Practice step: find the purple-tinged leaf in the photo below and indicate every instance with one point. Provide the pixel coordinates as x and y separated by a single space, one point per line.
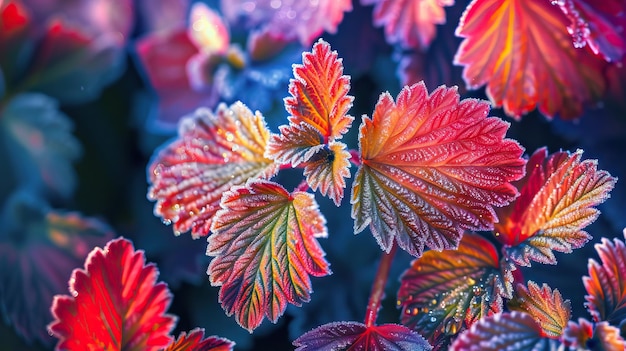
289 19
521 331
40 143
116 304
265 248
212 153
432 166
546 306
338 336
595 336
606 283
444 292
39 248
195 341
557 201
164 15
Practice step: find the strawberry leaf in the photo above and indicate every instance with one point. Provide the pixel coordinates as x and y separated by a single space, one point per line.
318 105
600 336
116 303
358 336
506 45
445 292
432 166
410 23
606 283
600 24
265 248
40 143
521 330
195 341
39 248
545 306
556 203
212 153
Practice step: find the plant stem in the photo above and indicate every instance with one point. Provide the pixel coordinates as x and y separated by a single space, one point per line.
378 287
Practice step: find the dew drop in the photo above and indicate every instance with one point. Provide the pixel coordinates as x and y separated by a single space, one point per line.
433 319
74 293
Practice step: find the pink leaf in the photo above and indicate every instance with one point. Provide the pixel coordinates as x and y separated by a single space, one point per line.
600 24
432 166
212 153
116 304
601 336
411 23
358 336
265 248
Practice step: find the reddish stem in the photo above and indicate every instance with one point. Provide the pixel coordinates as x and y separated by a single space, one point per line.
378 287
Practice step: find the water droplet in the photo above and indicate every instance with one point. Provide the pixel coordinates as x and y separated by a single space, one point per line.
433 319
74 293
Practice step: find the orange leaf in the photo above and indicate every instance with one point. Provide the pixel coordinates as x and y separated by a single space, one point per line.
328 170
432 166
319 93
522 51
546 306
556 203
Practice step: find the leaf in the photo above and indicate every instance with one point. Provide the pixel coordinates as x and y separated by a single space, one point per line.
288 20
598 24
39 248
265 248
116 303
74 66
606 283
432 166
212 153
444 292
319 93
600 336
357 336
328 169
522 52
557 202
411 23
207 30
15 39
319 105
521 330
40 143
546 306
195 341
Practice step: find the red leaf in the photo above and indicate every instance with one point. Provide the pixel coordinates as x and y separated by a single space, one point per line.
411 23
521 331
606 283
522 51
597 23
444 292
116 303
432 166
358 336
265 248
546 307
557 202
164 56
212 153
16 39
195 341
